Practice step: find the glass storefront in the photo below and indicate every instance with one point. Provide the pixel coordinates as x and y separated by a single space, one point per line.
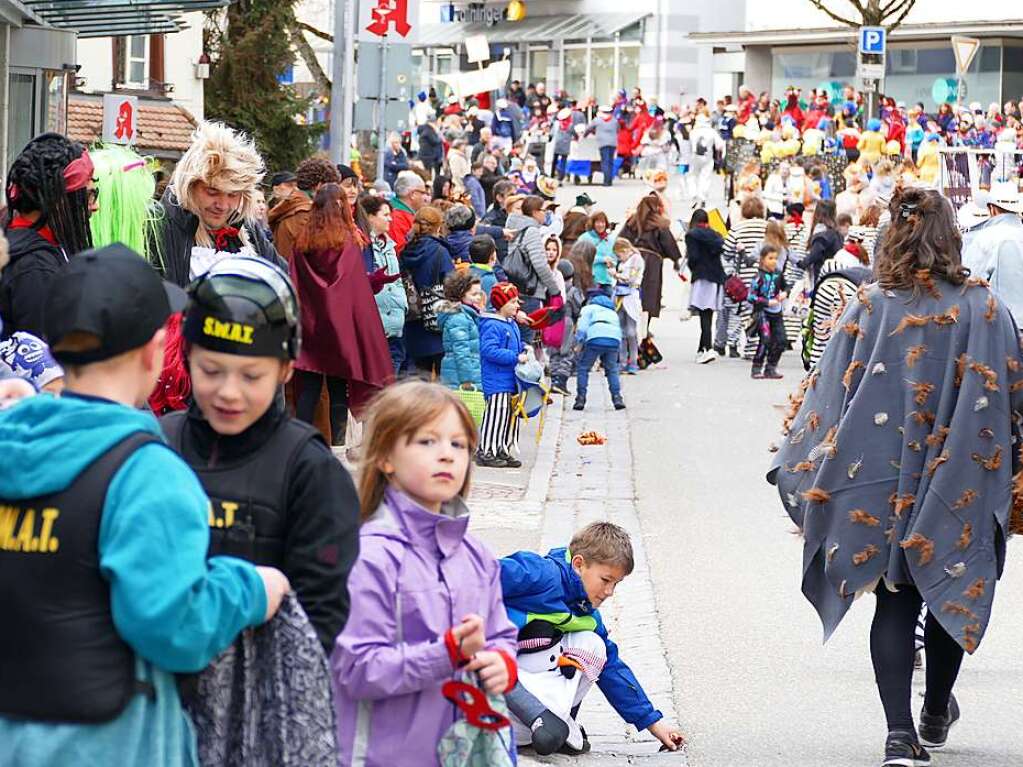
539 61
910 72
21 122
602 83
574 81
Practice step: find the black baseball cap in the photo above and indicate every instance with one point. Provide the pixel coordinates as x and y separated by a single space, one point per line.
112 293
282 177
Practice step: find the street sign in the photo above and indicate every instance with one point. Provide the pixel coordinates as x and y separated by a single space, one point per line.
965 48
398 20
399 71
870 71
872 40
396 118
120 119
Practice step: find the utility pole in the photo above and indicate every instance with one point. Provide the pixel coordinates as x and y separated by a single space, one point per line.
382 108
342 90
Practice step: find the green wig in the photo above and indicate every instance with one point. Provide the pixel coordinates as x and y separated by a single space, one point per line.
127 211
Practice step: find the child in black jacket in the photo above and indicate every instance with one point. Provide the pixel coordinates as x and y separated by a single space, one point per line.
767 293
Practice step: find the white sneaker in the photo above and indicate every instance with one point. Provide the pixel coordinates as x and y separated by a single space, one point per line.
707 356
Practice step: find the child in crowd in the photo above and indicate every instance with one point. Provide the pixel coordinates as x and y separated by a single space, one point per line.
458 318
278 496
553 334
628 276
843 223
562 359
767 293
554 603
598 233
599 333
426 599
116 592
483 264
501 349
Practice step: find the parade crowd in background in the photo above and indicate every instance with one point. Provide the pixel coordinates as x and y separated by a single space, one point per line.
223 570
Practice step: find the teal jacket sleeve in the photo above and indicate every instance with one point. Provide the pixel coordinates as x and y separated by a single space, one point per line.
175 608
465 354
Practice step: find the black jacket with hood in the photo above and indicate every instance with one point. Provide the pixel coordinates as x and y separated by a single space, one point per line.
703 254
177 231
26 281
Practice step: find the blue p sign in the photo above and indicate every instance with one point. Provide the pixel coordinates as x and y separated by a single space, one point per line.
872 40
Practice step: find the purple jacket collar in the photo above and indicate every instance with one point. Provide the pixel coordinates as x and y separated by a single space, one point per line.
442 532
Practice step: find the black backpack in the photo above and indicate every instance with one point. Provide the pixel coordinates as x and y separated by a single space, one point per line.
517 266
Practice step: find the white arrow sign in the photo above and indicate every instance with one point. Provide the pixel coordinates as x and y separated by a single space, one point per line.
965 48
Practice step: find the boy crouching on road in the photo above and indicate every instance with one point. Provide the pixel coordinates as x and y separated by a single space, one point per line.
564 646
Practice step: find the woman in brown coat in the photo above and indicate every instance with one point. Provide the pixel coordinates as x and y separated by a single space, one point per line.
650 230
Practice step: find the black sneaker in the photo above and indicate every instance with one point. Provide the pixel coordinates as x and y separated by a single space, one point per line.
618 402
772 373
934 729
733 352
903 750
489 461
559 387
511 463
580 404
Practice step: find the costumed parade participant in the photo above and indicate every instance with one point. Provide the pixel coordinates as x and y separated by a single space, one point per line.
131 598
897 464
128 214
278 498
209 207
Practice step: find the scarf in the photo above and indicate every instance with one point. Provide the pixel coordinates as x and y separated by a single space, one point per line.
227 239
20 222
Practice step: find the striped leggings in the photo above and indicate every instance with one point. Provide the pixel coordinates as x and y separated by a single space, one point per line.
499 432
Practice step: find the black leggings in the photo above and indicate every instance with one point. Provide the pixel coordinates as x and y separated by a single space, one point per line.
706 320
892 649
309 387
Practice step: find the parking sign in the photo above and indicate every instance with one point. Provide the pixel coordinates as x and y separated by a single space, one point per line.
872 40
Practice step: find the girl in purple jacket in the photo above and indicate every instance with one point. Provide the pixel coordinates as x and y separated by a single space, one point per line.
426 596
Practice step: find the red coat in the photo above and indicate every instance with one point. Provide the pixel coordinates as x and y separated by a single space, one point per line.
624 139
401 225
639 126
342 334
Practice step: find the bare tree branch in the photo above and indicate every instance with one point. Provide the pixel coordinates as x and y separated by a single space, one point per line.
819 5
305 50
898 7
908 8
314 31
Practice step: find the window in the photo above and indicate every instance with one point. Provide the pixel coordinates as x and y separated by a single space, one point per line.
21 125
56 101
136 61
539 61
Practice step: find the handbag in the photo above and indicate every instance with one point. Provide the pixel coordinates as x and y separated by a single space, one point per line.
429 299
736 290
483 737
649 354
474 401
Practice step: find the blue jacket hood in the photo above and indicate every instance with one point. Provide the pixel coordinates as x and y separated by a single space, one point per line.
574 590
46 442
602 300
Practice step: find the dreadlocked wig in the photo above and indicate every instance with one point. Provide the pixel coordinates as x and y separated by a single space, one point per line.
223 159
35 183
127 212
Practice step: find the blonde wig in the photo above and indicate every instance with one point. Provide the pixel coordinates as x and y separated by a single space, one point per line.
224 159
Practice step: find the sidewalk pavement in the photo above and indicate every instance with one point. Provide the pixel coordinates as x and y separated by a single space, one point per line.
569 486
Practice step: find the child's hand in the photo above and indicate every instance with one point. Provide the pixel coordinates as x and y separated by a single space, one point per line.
14 389
522 318
469 635
276 586
523 357
492 669
672 738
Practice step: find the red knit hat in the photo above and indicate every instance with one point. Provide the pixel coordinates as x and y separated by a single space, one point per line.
502 293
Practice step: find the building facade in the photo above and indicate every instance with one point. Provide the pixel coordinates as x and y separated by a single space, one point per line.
812 50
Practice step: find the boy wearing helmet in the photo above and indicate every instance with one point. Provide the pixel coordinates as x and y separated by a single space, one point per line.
278 496
103 539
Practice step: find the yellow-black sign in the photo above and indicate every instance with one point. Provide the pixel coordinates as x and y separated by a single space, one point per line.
228 331
18 530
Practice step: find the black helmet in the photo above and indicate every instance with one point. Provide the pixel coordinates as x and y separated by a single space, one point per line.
244 305
566 268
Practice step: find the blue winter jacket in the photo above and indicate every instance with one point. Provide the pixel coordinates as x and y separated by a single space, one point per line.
460 240
547 588
392 303
500 347
476 194
599 323
488 277
460 331
173 607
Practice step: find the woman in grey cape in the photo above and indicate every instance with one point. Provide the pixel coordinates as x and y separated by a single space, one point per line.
897 464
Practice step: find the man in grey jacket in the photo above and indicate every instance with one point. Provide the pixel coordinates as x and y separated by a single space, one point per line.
529 237
605 127
995 251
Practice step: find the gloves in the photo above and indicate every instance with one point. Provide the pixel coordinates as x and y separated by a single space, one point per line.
380 277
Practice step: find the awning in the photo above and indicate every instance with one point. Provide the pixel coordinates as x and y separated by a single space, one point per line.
115 18
540 29
837 34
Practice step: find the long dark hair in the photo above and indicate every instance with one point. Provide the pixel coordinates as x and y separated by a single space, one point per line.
35 182
921 243
649 214
823 213
331 225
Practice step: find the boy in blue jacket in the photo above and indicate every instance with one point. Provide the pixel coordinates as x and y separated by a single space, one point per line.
105 532
556 597
501 350
599 332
